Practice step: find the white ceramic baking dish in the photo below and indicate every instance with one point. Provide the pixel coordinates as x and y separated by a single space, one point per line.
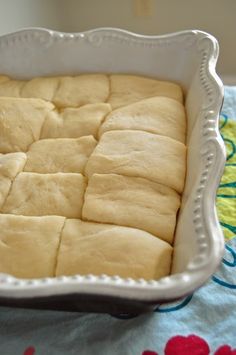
188 58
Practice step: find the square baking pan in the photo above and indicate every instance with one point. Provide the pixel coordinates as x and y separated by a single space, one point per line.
187 58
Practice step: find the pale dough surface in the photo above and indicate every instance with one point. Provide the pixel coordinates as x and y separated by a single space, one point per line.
43 88
127 89
28 245
10 87
132 202
21 121
75 122
63 91
160 115
10 165
35 194
91 248
126 134
81 90
66 155
4 79
140 154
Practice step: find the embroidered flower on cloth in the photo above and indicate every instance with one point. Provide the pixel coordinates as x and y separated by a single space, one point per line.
29 351
225 350
191 344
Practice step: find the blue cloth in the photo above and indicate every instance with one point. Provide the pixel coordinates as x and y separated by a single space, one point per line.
229 106
203 323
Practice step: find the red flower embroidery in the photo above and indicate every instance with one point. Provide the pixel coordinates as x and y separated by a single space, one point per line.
225 350
29 351
192 344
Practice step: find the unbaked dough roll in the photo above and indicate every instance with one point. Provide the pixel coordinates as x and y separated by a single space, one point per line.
64 91
10 87
21 121
35 194
42 88
10 165
160 115
93 248
132 202
127 89
4 79
66 155
75 122
28 245
140 154
81 90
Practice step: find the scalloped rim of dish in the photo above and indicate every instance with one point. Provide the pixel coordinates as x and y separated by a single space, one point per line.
204 264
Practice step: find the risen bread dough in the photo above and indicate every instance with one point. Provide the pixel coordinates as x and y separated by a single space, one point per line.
75 122
9 87
160 115
28 245
141 154
43 88
132 202
126 89
81 90
49 128
10 165
3 79
43 155
112 250
21 121
46 194
64 91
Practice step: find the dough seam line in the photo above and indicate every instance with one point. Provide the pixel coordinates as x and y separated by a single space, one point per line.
58 248
12 181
